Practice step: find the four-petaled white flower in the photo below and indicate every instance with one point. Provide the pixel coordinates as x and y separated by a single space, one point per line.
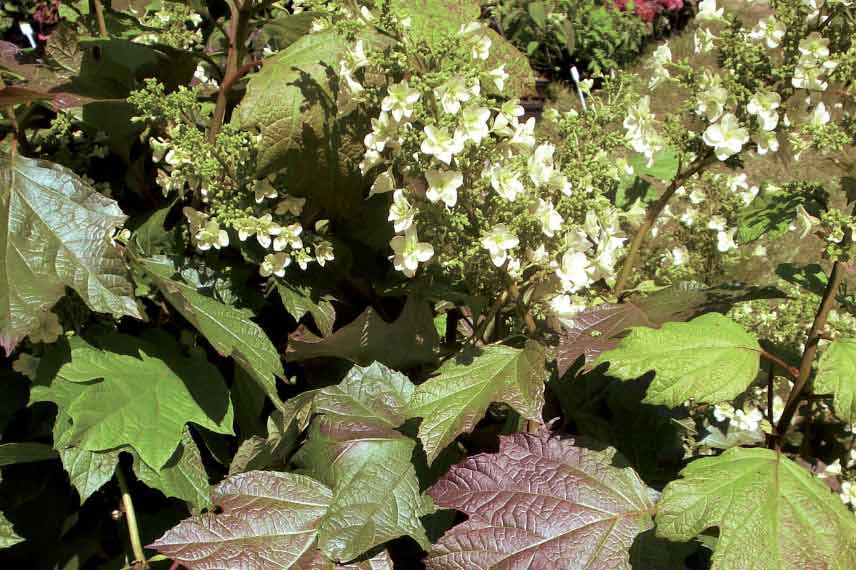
274 264
400 100
764 105
290 205
384 130
506 182
551 220
727 137
820 116
195 219
661 57
410 252
767 141
540 164
443 185
401 212
324 253
770 30
712 98
725 240
707 11
210 235
385 182
573 271
454 92
848 493
498 242
499 76
440 144
703 41
265 229
481 47
524 134
289 236
263 189
474 123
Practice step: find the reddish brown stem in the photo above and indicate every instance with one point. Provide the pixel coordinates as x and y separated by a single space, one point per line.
792 370
239 25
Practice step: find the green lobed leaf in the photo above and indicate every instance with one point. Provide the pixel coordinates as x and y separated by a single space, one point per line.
229 329
772 514
183 476
299 300
7 534
353 447
772 212
836 374
88 471
543 503
708 359
406 342
56 233
143 396
453 401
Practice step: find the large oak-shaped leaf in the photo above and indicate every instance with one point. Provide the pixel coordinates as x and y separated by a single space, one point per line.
454 401
597 330
229 330
771 513
406 342
267 521
836 374
55 233
354 448
143 397
540 503
709 359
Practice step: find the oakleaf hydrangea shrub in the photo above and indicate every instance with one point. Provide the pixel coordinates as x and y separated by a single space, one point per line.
305 285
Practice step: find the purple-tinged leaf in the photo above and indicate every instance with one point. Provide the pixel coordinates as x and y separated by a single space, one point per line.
268 522
540 503
598 330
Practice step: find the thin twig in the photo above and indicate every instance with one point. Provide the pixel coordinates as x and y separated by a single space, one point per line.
792 370
651 216
99 17
131 518
239 25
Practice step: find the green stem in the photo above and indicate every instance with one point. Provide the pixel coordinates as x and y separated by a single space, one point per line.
131 518
651 216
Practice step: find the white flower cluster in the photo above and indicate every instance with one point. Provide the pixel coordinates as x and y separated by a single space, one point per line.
465 123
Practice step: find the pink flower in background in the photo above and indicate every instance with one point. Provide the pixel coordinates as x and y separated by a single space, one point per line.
647 9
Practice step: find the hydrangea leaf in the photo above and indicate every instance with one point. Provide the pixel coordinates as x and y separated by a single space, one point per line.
183 476
836 374
56 233
7 534
134 397
25 452
772 211
88 471
354 448
453 402
299 300
267 521
709 359
597 330
540 502
771 513
406 342
229 329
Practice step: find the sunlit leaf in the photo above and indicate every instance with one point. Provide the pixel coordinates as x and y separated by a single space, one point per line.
836 374
540 502
771 513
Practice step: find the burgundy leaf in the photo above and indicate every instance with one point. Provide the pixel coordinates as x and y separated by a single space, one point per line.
540 503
